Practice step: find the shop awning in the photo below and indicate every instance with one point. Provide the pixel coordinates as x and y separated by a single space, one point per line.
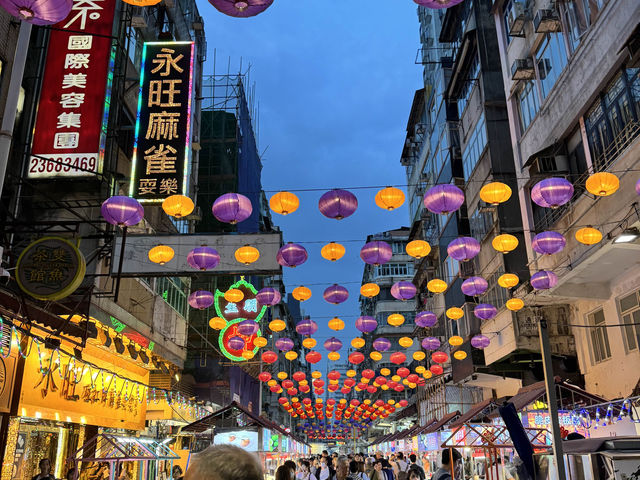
480 412
106 447
437 425
381 439
410 432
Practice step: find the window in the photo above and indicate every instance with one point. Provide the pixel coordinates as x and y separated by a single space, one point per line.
397 247
495 294
394 270
481 223
508 6
450 268
172 290
630 312
528 104
474 148
579 15
599 337
469 83
551 58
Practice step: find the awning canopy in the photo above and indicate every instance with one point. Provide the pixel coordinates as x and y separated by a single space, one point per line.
437 425
480 412
492 436
106 447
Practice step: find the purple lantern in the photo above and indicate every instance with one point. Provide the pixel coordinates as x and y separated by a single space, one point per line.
543 280
39 12
480 341
268 296
232 208
638 187
376 252
555 191
292 255
485 311
247 327
537 198
443 199
336 294
201 299
474 286
332 344
403 290
463 248
122 211
366 324
236 343
431 343
284 344
241 8
306 327
548 243
381 344
438 3
426 319
338 204
203 258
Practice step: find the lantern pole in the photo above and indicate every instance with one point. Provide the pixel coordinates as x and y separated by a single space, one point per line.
11 105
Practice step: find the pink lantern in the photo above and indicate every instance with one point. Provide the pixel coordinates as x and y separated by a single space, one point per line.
337 204
201 299
463 248
203 258
336 294
403 290
376 252
232 208
39 12
292 255
443 199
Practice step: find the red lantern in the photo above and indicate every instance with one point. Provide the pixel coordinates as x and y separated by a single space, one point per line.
356 358
439 357
319 391
403 372
403 403
398 358
283 400
313 357
399 388
306 401
345 390
379 403
413 378
436 369
264 376
381 380
275 388
368 374
318 383
287 384
333 388
333 375
305 388
269 356
371 389
298 376
355 402
349 382
292 391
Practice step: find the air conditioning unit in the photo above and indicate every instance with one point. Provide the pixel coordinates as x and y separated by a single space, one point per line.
547 21
516 19
522 69
138 18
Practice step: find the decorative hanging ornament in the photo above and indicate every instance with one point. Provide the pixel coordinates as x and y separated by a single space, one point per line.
201 299
43 12
336 324
405 342
543 280
161 254
508 280
376 253
443 199
437 3
505 243
248 327
426 319
403 290
474 286
358 342
236 343
439 357
336 294
638 187
515 304
366 324
456 341
284 344
309 342
337 204
495 193
480 341
588 236
418 248
381 344
268 296
313 357
120 210
436 369
269 357
602 184
332 251
454 313
395 319
247 254
548 243
292 255
178 206
436 285
398 358
284 203
485 311
332 344
356 358
277 325
232 208
203 258
306 326
301 293
369 290
389 198
260 342
241 8
463 248
554 191
460 355
217 323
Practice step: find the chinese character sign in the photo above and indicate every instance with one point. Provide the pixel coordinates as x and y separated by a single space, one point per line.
163 127
70 129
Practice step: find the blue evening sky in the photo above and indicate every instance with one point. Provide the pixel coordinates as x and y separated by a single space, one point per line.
334 80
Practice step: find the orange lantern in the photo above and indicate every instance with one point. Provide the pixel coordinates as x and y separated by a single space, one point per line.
389 198
277 325
460 355
309 342
420 368
260 342
358 342
436 285
301 293
369 290
177 206
588 236
332 251
455 313
161 254
316 374
375 356
508 280
333 356
418 248
291 355
284 203
336 324
514 304
395 319
405 342
247 354
247 254
282 375
456 341
419 356
602 184
495 193
217 323
505 243
233 295
351 373
385 372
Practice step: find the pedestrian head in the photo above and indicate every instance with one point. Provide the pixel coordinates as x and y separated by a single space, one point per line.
225 462
447 457
414 475
45 466
378 465
71 474
353 466
400 456
284 472
177 471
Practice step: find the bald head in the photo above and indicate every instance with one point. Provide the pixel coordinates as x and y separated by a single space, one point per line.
224 462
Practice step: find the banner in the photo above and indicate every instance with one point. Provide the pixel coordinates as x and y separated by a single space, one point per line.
70 129
163 127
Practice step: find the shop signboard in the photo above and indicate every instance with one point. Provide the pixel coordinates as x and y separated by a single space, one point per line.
266 438
414 443
245 439
541 419
430 441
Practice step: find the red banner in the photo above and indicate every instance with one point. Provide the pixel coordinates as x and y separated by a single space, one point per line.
69 133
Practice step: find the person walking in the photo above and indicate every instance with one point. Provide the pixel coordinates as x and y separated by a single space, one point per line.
45 470
355 473
414 467
451 458
224 462
378 472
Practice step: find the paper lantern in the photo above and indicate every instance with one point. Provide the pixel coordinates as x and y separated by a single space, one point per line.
474 286
316 374
269 356
436 285
241 8
480 341
505 243
291 255
436 4
536 197
284 344
217 323
233 295
548 243
356 358
638 187
389 198
299 376
203 258
232 208
460 355
456 341
336 294
588 236
403 290
543 280
309 342
337 204
236 343
306 326
508 280
351 373
375 356
358 342
313 357
332 344
332 251
161 254
247 254
336 324
430 343
201 299
377 252
495 193
369 290
602 184
301 293
284 203
463 248
398 358
366 324
405 342
439 357
177 206
454 313
248 327
418 248
395 319
120 210
553 191
385 371
485 311
443 199
381 344
268 296
260 342
426 319
277 325
265 377
419 356
514 304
